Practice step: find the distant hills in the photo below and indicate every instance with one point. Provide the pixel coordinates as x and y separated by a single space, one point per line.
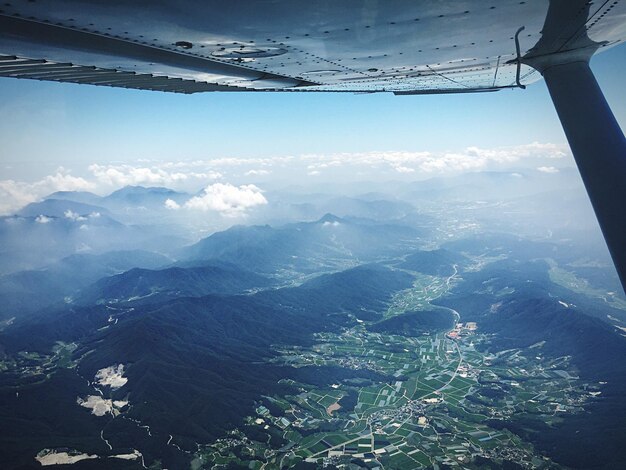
313 207
68 222
490 185
25 292
63 208
306 246
136 217
28 243
152 198
129 196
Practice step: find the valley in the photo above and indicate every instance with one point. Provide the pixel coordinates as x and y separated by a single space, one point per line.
443 403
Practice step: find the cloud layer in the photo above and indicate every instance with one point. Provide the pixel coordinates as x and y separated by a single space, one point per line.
471 159
129 175
227 180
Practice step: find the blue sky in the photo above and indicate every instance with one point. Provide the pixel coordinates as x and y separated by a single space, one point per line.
68 124
104 138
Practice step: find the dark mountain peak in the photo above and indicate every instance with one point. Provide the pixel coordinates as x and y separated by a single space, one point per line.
247 228
145 197
330 218
134 191
129 189
239 233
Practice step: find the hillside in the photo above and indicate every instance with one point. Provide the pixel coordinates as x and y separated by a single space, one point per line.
305 246
146 285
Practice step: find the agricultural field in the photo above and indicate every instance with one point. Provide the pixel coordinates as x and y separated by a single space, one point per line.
434 399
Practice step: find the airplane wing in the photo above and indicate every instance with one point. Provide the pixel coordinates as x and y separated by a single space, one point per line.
188 46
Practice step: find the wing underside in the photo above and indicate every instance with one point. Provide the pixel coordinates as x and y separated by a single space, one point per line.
241 45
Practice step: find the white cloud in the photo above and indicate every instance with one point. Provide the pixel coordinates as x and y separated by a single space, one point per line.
63 181
334 223
257 172
209 175
16 194
218 167
548 169
69 214
125 175
171 204
42 219
404 169
227 199
83 248
234 161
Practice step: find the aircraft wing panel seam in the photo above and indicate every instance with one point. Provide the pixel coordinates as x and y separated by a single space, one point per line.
35 69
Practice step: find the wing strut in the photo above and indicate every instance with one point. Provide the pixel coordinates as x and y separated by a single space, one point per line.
562 56
598 146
